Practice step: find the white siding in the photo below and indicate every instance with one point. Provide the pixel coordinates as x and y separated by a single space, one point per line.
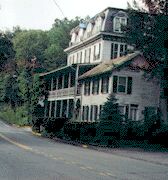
144 93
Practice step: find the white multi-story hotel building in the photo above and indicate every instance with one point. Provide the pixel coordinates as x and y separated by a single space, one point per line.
98 64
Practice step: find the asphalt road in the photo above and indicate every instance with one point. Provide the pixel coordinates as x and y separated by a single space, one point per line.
24 156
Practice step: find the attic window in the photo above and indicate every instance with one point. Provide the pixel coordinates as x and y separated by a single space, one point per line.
118 24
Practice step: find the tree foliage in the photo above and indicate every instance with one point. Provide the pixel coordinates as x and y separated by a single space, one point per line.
148 32
59 37
157 6
30 44
6 51
23 86
11 95
110 114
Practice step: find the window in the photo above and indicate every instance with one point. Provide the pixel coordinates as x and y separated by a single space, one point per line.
72 79
100 110
85 114
119 22
87 88
89 30
88 53
79 86
64 109
95 87
124 111
133 112
123 49
118 49
60 82
73 38
58 108
93 112
54 83
77 58
95 108
97 49
52 108
105 84
66 77
122 84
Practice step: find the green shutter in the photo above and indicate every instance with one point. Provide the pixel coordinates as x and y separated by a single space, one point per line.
129 85
115 78
127 111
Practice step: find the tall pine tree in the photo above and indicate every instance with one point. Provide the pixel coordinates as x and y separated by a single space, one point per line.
110 118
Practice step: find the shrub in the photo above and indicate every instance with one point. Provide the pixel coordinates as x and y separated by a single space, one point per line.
88 132
17 116
160 136
72 129
54 124
135 131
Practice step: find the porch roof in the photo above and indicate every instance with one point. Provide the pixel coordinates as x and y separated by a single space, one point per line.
62 69
110 65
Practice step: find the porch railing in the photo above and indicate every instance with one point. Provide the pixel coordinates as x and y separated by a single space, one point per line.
62 92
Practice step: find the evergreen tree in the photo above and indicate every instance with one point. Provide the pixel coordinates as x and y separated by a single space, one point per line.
110 118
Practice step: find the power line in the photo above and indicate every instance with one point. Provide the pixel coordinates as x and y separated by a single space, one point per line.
59 8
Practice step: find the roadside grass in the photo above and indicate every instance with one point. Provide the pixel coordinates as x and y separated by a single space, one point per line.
17 117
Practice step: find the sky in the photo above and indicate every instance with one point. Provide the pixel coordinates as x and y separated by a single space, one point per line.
40 14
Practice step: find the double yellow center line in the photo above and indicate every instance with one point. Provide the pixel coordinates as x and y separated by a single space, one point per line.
15 143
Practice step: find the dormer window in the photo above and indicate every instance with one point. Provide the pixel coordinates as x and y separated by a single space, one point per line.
119 22
89 30
73 39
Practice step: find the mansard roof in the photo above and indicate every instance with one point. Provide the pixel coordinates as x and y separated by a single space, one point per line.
113 12
120 62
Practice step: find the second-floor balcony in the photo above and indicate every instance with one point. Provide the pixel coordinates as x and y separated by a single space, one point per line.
62 92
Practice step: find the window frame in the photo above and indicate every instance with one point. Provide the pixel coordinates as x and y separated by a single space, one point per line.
134 107
96 51
120 24
117 53
87 88
95 87
105 86
115 89
119 84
